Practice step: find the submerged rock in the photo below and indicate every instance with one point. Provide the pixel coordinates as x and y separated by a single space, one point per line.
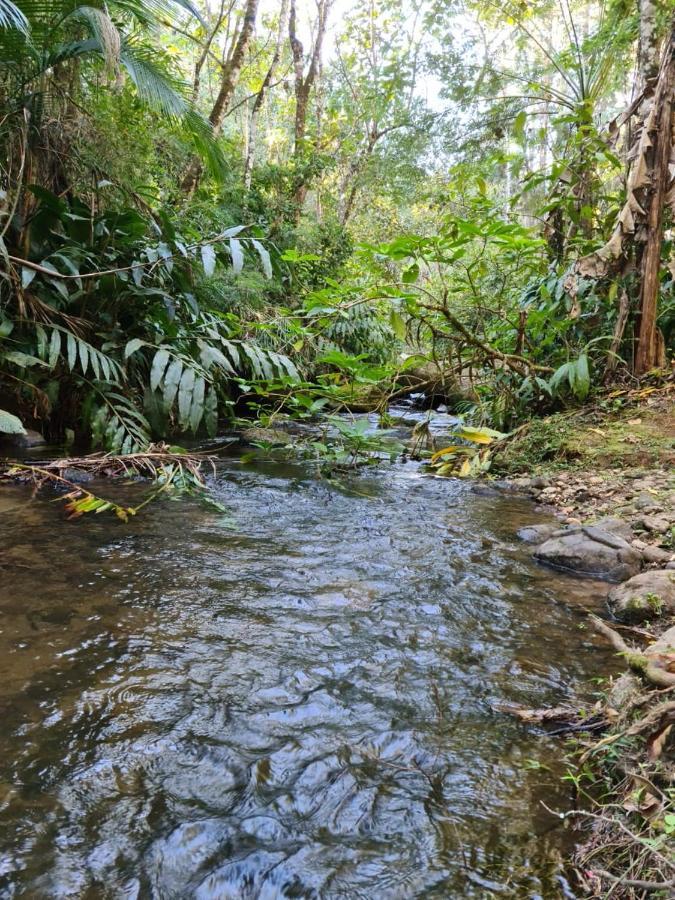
645 596
592 552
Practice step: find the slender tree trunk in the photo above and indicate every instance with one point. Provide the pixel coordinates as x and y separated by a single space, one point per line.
303 86
203 56
261 95
230 79
349 186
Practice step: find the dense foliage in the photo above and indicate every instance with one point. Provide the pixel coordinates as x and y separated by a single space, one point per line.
209 211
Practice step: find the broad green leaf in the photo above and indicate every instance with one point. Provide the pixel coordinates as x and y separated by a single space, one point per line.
54 348
23 359
10 424
159 364
185 397
171 382
27 275
132 346
84 356
264 258
72 350
197 407
237 255
208 259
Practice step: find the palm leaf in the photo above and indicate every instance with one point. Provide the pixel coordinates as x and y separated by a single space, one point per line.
12 17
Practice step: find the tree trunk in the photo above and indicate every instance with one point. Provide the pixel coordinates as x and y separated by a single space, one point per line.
230 79
649 189
657 159
203 56
648 50
349 186
303 87
260 97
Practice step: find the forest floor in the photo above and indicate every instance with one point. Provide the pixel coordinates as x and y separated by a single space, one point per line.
614 464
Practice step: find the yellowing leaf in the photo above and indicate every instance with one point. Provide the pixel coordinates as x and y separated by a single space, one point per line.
465 469
480 435
446 451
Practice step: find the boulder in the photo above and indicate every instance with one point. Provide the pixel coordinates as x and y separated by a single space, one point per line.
592 552
536 534
616 526
645 596
24 441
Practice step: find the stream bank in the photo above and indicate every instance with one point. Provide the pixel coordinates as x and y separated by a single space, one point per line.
609 479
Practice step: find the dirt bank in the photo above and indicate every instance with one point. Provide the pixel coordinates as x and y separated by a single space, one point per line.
608 474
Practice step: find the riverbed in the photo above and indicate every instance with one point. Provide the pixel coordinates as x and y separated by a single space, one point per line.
293 697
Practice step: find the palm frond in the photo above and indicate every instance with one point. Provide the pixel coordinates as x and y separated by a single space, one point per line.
167 93
12 17
103 30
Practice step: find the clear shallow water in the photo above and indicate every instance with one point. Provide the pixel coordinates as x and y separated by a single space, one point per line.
293 700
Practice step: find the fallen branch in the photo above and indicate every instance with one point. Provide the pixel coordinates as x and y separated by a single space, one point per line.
649 663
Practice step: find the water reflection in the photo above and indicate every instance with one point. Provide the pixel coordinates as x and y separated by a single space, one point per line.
292 700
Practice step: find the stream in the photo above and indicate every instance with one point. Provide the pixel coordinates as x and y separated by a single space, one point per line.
291 699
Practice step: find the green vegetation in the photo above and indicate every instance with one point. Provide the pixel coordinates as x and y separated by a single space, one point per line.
208 213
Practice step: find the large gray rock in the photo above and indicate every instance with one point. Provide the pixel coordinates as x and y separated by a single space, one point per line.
536 534
616 526
592 552
28 439
645 596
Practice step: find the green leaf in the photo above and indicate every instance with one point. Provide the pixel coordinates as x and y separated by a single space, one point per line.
583 377
27 275
54 348
23 359
171 382
197 407
132 346
208 259
411 274
264 258
211 412
84 356
72 350
397 324
185 397
519 125
10 424
237 255
159 364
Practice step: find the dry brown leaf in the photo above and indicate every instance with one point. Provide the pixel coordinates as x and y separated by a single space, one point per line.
657 741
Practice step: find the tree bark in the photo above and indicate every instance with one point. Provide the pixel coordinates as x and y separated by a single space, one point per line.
303 85
206 49
230 79
648 51
261 95
658 159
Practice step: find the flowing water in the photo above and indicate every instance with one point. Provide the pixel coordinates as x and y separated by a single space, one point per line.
293 699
